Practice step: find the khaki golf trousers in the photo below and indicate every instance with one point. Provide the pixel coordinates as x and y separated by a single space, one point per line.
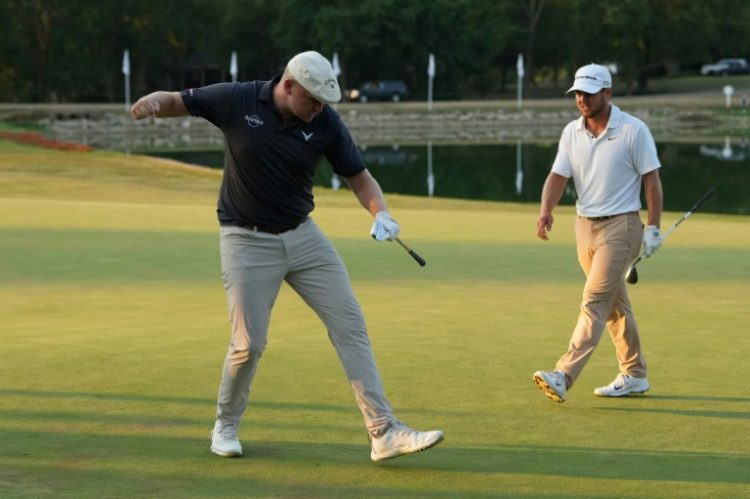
254 264
606 248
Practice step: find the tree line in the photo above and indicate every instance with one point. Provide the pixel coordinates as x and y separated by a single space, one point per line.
71 50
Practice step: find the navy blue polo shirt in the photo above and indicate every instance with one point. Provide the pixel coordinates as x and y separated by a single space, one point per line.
268 163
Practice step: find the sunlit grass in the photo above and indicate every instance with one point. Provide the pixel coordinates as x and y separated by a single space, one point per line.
114 329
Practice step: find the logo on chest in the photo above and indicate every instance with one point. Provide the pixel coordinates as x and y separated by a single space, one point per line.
254 120
306 135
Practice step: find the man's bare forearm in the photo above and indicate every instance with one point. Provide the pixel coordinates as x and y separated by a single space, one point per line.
160 104
368 192
654 197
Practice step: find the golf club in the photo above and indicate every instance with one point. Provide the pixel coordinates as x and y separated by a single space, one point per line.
416 257
631 276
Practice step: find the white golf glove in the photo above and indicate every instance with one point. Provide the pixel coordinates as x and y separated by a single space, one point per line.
651 240
385 227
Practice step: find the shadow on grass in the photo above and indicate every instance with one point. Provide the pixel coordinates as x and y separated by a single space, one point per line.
700 413
581 462
225 479
699 398
553 461
15 392
682 412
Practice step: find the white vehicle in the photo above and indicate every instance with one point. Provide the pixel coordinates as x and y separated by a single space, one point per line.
726 67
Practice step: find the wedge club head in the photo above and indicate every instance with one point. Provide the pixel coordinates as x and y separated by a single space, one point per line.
631 277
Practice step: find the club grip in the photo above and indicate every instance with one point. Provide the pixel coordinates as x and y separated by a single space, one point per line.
418 258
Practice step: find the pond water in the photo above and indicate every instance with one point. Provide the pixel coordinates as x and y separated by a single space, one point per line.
516 172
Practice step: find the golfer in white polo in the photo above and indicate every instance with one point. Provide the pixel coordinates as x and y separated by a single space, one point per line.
609 154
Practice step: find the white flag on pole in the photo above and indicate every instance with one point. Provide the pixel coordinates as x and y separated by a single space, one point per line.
519 66
126 62
335 64
126 73
233 66
431 74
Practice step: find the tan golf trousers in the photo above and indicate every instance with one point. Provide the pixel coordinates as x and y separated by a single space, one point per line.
254 264
606 248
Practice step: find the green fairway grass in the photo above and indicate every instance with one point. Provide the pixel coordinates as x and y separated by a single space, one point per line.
113 331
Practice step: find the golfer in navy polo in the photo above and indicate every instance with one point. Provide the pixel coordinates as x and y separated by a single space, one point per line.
275 133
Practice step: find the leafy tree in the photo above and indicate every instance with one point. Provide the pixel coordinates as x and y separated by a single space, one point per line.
248 28
13 86
493 45
71 50
532 10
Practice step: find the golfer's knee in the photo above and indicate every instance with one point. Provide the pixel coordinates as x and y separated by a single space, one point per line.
349 336
599 299
241 356
243 348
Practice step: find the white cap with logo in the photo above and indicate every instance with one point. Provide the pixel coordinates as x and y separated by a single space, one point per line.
315 74
591 79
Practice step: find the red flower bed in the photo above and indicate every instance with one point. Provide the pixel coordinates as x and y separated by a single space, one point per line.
37 139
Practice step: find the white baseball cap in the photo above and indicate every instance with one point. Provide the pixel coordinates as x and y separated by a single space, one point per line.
315 74
591 78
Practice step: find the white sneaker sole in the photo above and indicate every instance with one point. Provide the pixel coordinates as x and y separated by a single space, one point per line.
225 453
404 452
621 394
550 392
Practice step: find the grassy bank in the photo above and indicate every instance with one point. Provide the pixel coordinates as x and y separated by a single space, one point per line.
114 329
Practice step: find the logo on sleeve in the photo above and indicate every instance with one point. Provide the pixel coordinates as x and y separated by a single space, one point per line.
307 135
254 120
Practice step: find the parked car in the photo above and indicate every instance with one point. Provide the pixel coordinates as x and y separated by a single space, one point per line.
726 67
393 90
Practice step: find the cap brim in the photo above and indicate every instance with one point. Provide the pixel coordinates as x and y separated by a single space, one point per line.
583 87
325 94
332 97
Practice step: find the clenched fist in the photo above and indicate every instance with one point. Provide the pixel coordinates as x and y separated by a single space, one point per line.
145 107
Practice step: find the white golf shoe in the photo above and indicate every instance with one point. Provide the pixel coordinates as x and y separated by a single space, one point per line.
224 441
623 385
552 383
399 440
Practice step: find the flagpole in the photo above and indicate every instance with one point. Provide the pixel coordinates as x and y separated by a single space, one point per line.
335 180
335 65
233 66
518 98
126 74
520 71
336 72
431 74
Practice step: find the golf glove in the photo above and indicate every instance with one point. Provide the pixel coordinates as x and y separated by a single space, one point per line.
651 240
385 227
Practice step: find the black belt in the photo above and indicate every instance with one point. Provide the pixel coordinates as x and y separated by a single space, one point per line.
607 217
269 229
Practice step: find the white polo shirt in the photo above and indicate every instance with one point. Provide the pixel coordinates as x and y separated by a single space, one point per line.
607 170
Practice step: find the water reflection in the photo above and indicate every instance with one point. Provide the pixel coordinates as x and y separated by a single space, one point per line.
430 175
727 153
519 170
516 172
